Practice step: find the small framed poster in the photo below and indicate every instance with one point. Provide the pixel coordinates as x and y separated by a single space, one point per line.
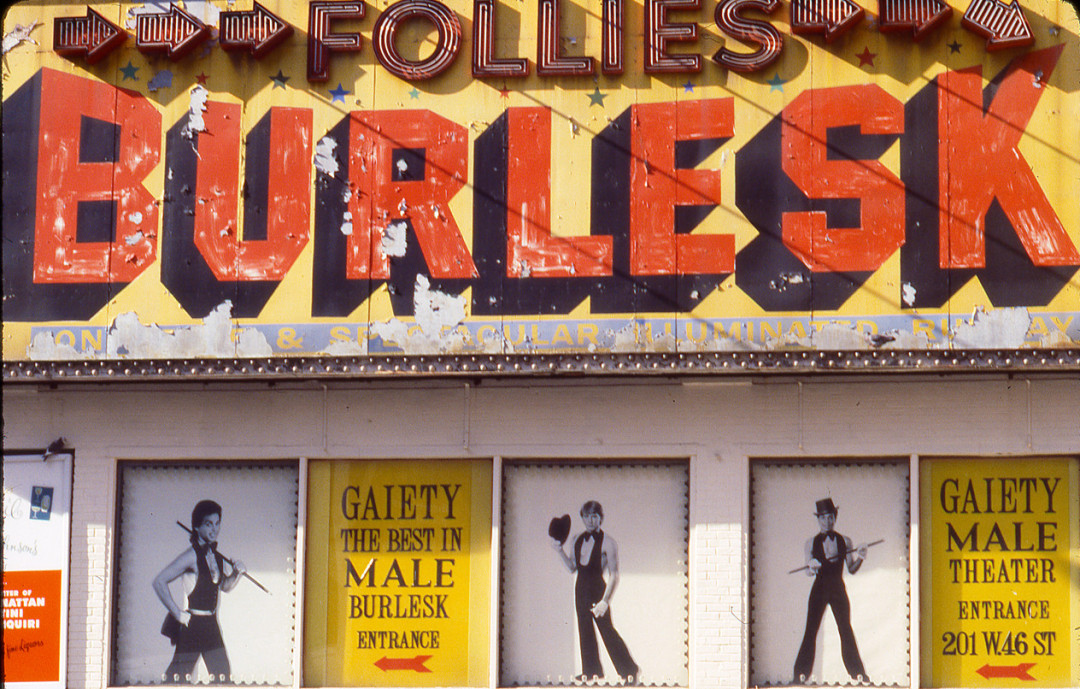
594 574
829 573
205 588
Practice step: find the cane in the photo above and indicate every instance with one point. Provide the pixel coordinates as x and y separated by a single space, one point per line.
181 525
805 567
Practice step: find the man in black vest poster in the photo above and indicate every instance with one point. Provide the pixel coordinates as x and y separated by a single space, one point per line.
594 555
827 553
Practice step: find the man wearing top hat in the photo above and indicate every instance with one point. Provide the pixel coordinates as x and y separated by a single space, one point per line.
826 554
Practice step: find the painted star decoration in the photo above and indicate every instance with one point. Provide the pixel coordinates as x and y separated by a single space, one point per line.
688 87
129 71
201 77
776 83
414 94
597 98
504 92
954 47
338 94
279 79
866 57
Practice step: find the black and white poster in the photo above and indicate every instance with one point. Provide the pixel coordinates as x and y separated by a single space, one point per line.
206 574
829 573
594 574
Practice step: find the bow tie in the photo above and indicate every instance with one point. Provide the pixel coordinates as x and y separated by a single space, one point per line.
589 535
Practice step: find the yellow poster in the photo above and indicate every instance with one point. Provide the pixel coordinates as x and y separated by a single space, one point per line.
1000 560
398 572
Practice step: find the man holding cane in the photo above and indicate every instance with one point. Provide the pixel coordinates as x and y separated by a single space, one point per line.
827 553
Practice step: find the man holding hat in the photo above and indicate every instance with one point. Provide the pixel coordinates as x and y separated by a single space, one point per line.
826 554
594 555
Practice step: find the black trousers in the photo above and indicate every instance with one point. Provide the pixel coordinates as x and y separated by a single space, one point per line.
587 593
202 637
830 592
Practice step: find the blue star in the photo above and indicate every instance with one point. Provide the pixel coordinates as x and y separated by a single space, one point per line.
279 79
688 87
338 94
129 71
414 94
776 83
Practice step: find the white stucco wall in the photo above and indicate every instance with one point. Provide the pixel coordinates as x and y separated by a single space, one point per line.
720 425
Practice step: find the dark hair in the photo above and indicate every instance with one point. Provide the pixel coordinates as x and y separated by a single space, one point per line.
203 509
592 507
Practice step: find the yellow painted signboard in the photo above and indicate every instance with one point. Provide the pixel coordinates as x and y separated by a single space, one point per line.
1000 551
398 573
242 179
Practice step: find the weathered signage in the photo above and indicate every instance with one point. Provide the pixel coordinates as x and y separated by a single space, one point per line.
428 177
1000 603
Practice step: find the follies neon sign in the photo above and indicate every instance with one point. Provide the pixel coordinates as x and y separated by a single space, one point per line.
176 33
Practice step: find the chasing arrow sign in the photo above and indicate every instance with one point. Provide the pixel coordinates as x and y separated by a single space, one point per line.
918 16
92 36
416 663
1002 24
830 17
175 33
258 30
1015 671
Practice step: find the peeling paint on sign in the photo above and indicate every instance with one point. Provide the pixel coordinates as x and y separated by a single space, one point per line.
128 338
160 80
392 242
18 35
195 122
325 162
999 329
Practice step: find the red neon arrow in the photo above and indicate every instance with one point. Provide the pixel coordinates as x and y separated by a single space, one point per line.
830 17
258 30
1015 671
918 16
416 663
175 33
92 36
1002 24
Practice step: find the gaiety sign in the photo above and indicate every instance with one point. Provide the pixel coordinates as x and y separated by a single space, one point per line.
216 182
999 572
398 574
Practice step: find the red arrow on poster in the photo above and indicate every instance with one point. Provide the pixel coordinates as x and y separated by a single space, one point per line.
1002 24
1015 671
258 30
830 17
918 16
92 36
416 663
175 33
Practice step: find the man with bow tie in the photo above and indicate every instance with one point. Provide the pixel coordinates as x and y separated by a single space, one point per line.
826 555
594 555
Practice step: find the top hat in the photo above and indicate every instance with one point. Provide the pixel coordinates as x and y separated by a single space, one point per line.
559 528
825 506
